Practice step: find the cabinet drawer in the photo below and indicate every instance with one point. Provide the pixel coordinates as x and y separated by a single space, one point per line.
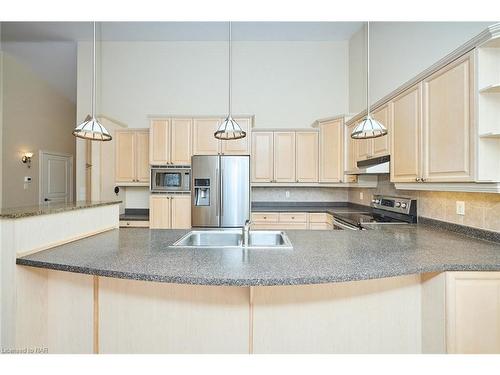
265 217
293 217
317 217
133 224
320 226
285 226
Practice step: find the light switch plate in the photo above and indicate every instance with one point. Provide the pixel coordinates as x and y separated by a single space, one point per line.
361 195
287 194
460 208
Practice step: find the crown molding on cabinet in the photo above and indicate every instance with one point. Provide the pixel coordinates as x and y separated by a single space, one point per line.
489 35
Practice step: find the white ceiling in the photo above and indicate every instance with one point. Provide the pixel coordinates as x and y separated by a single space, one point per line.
182 31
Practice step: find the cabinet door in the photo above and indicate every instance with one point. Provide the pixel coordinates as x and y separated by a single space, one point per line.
473 312
181 141
284 156
159 211
351 153
447 123
381 145
159 140
330 151
262 157
204 142
364 149
405 141
306 156
181 211
240 146
142 156
125 156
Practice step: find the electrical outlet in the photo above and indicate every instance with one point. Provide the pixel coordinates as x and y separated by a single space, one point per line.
287 194
460 208
361 195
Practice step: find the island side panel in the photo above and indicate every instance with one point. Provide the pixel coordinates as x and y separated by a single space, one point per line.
149 317
371 316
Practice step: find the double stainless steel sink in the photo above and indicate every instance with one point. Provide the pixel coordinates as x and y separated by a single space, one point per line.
233 238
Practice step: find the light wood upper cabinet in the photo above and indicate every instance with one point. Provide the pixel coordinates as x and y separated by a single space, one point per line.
131 156
364 149
142 159
381 146
331 141
240 146
306 156
159 211
181 141
351 154
473 312
284 156
204 142
159 132
405 141
447 123
180 211
262 156
125 156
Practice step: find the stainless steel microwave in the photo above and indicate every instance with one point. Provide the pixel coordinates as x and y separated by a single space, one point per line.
170 179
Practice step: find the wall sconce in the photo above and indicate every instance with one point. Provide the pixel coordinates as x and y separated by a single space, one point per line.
26 159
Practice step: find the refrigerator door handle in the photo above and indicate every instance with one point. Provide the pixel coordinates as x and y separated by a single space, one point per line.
217 192
221 196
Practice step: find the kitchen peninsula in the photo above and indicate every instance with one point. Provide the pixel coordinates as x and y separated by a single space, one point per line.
395 289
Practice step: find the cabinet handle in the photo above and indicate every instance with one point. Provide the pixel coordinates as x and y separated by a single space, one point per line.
422 179
265 217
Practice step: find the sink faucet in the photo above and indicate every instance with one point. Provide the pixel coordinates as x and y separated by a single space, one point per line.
246 232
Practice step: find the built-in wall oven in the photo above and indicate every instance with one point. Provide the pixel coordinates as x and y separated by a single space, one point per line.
170 179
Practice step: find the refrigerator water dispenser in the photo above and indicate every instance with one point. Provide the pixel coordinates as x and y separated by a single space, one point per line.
202 192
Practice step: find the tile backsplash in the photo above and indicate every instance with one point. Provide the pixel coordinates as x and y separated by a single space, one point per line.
482 210
298 194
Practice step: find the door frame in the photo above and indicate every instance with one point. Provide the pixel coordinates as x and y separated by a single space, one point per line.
40 172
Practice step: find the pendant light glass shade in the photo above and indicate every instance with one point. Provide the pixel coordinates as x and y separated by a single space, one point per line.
229 129
368 127
91 129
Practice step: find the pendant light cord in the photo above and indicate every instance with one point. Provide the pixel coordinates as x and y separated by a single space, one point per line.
230 70
93 72
368 69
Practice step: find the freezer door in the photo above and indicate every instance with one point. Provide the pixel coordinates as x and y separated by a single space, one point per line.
235 190
205 191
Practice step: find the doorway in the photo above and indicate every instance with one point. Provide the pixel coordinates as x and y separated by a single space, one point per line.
56 177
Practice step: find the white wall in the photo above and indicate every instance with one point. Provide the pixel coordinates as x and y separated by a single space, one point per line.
284 84
400 51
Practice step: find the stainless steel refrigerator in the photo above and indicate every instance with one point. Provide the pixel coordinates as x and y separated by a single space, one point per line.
220 195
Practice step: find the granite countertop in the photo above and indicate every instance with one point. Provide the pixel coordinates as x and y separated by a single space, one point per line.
50 208
327 207
317 256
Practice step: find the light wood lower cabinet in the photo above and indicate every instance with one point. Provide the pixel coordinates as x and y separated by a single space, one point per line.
169 211
306 156
132 156
473 312
292 220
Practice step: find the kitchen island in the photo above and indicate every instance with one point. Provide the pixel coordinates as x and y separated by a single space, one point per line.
397 289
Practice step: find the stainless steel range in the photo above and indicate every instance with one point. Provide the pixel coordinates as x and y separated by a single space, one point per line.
385 210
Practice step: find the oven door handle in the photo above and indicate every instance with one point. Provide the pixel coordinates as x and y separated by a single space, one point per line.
344 226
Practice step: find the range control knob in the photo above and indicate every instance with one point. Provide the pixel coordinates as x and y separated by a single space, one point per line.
376 201
403 205
398 204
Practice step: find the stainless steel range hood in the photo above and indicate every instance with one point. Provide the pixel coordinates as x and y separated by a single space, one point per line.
378 165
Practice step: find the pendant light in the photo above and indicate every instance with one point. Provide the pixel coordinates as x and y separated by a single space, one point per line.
90 128
229 129
368 127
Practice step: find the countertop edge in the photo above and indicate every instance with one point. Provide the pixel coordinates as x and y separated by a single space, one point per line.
256 282
46 210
